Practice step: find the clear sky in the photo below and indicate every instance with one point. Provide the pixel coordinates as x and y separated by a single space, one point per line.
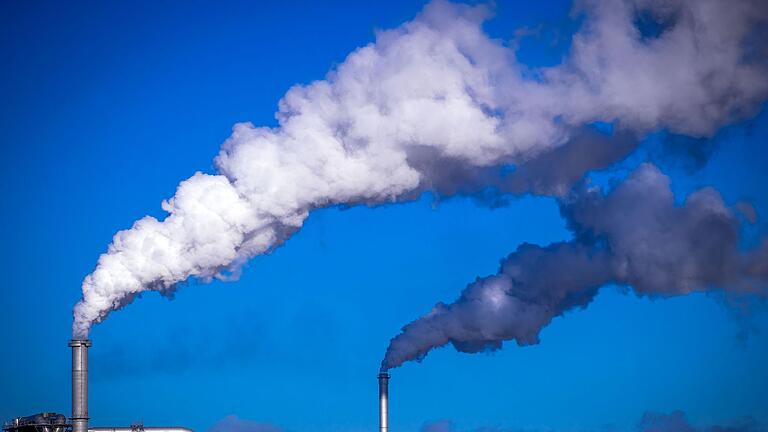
105 107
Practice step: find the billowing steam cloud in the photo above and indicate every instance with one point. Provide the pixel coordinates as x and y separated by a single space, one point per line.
437 105
635 236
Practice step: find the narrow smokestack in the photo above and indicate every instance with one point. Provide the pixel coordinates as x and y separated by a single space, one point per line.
80 384
383 401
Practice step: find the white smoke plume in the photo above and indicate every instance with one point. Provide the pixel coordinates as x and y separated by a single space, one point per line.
439 89
633 236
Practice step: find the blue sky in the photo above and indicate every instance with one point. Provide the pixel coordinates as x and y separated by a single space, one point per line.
107 107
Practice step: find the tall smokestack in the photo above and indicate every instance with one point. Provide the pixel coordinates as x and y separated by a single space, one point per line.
383 401
80 384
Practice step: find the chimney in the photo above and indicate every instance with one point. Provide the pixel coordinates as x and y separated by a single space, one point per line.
80 384
383 401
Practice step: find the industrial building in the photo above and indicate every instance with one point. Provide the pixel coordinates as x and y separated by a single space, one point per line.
43 422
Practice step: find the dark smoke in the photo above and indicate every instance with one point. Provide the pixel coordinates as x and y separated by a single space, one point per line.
635 235
551 173
555 172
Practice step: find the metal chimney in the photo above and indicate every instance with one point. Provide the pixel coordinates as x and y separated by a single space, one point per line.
80 384
383 401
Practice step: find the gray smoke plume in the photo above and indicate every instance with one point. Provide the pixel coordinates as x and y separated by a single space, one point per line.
439 89
634 235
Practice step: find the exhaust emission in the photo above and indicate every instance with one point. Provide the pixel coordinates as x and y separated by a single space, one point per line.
383 401
80 384
437 105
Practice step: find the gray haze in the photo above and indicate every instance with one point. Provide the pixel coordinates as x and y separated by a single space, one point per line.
233 423
675 421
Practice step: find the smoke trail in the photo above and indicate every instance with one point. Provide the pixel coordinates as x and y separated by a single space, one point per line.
438 88
635 236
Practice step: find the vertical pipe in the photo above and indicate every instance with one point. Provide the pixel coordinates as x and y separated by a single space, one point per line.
383 402
80 384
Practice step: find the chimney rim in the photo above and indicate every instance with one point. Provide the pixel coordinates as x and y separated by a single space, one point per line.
80 342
